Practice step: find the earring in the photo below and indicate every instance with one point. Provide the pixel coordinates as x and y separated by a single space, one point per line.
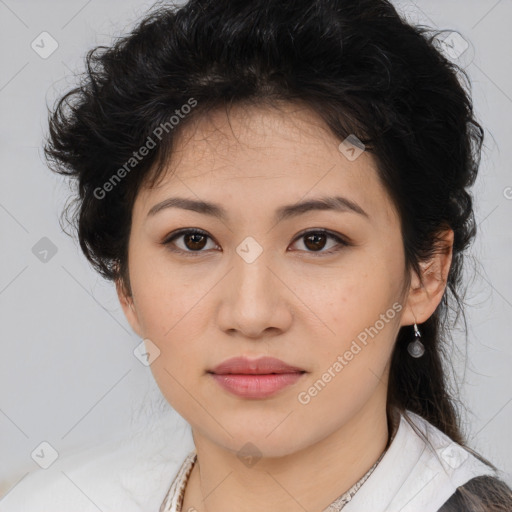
416 348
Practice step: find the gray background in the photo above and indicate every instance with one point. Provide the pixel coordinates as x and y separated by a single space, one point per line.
68 375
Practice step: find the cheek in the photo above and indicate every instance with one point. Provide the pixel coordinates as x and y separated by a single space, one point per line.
353 298
171 313
361 309
165 297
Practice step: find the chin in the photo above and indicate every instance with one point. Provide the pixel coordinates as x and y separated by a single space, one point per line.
261 441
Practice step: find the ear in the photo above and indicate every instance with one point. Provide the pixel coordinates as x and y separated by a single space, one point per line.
126 301
426 293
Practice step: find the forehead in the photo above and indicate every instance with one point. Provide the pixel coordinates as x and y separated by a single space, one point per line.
266 155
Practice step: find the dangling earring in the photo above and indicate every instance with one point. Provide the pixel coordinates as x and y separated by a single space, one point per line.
416 348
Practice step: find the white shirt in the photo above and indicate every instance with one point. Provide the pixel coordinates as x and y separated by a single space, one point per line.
135 475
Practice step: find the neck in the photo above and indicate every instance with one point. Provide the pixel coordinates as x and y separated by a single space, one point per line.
310 479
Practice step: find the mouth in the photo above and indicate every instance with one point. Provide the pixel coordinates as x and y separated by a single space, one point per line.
258 378
260 366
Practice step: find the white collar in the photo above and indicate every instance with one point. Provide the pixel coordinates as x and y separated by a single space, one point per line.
417 474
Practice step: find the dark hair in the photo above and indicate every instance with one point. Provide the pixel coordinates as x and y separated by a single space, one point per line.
363 70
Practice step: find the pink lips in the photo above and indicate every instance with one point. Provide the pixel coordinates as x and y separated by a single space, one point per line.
257 378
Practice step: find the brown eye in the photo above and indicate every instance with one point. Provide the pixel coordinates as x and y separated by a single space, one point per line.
193 241
316 241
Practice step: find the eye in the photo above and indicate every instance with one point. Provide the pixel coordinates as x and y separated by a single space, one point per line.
195 240
315 241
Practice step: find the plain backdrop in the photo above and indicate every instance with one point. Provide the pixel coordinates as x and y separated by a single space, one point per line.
68 375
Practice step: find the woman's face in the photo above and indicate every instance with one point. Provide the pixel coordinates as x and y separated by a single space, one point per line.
263 283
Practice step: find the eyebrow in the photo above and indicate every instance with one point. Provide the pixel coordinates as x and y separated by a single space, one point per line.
334 203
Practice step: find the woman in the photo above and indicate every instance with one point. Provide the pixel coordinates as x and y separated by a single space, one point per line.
279 191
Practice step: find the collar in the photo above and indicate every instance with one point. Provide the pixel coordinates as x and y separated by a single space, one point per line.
420 471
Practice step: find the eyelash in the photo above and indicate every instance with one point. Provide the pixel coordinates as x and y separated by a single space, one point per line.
173 236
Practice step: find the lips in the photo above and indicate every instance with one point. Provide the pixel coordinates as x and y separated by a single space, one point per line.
260 366
256 379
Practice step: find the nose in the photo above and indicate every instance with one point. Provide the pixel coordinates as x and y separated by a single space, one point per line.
254 300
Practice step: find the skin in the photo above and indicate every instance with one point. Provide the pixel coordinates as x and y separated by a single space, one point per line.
293 302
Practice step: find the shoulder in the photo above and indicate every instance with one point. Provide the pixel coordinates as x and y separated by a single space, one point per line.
477 486
132 475
480 494
458 463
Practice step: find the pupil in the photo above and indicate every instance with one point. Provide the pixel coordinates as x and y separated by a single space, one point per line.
194 241
316 237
